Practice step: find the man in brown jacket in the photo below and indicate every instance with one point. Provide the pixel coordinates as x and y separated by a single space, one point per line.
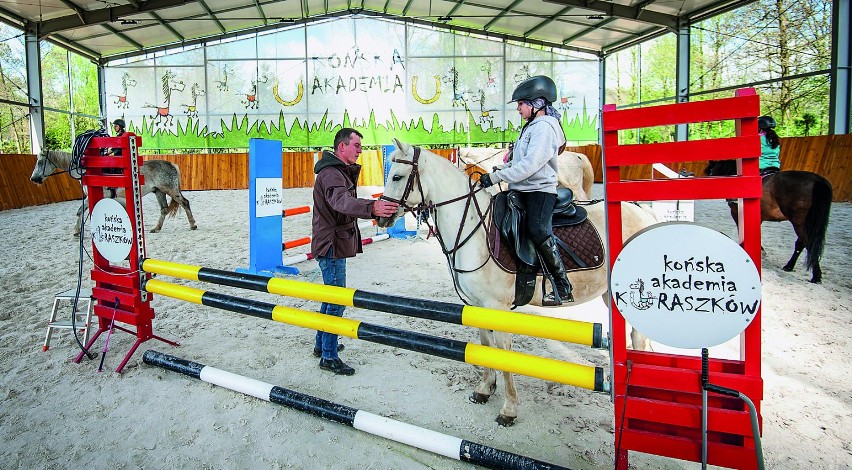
335 235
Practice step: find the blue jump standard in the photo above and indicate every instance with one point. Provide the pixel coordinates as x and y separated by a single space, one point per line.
442 444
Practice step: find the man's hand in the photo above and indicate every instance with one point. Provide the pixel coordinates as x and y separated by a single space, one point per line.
485 180
382 208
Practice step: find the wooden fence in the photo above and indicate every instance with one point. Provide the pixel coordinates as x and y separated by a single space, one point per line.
826 155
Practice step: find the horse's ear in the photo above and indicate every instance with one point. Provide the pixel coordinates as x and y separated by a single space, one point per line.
401 146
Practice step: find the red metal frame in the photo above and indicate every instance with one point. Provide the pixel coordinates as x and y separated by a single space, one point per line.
115 281
657 396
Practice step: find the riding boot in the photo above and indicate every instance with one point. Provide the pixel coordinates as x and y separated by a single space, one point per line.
552 260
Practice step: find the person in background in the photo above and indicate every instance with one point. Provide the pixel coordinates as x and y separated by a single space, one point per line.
770 146
531 171
118 127
334 229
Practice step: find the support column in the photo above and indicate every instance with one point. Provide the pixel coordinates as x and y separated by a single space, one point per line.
601 94
102 103
33 59
841 60
682 76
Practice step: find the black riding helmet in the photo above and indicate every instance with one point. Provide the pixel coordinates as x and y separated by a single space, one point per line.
539 86
119 123
765 122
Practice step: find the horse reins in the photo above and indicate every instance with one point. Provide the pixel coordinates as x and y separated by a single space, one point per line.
413 177
43 165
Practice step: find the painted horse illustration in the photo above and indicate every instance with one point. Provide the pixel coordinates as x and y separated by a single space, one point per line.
251 101
459 93
164 116
126 82
192 109
222 85
522 74
485 116
418 177
161 178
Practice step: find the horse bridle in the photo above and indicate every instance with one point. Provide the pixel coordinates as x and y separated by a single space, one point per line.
409 184
43 165
413 177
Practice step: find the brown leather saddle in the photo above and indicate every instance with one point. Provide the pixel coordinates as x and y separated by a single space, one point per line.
580 244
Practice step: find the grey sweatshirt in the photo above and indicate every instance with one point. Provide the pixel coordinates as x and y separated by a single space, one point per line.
533 165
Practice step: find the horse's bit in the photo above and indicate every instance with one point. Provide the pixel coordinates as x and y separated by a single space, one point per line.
409 186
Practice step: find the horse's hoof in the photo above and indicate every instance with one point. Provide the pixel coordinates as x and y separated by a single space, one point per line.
193 227
505 421
154 230
478 398
789 269
816 280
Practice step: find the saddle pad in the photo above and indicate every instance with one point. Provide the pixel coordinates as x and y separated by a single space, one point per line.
583 238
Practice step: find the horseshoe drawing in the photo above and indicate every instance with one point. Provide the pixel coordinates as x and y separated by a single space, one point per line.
298 98
430 100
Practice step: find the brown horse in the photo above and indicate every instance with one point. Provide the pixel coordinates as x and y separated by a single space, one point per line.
802 197
161 178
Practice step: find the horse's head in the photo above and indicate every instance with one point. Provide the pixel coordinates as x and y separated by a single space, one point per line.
43 168
401 181
721 168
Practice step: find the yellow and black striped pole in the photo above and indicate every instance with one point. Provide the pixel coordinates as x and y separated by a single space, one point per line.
585 333
510 361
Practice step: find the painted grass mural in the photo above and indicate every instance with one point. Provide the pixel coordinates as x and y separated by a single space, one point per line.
300 134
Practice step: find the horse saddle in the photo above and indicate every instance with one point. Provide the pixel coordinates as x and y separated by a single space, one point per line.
579 242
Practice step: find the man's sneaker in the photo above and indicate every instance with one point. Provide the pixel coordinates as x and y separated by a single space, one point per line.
318 351
337 366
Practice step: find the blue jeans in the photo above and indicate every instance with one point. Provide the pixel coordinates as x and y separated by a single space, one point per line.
333 274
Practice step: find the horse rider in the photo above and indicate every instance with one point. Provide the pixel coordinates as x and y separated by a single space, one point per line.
770 146
531 172
118 127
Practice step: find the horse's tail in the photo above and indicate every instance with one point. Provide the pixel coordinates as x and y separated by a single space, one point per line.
816 221
173 208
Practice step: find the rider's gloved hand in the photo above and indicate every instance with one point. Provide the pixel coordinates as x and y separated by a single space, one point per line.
485 180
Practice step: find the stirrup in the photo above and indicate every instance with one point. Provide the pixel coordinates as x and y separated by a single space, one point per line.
550 299
553 299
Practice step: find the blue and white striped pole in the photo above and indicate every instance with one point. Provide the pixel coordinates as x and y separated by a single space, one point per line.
438 443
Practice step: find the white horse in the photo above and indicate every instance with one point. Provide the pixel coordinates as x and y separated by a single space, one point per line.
161 178
435 181
574 170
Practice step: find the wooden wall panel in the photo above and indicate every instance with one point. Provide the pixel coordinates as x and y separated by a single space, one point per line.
16 189
826 155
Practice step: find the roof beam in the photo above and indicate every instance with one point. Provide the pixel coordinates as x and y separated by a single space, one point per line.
501 14
159 19
104 15
123 36
407 6
635 13
169 27
77 9
588 30
260 12
550 19
456 7
213 16
634 39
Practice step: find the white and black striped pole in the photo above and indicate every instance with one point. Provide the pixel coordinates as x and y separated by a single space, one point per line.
442 444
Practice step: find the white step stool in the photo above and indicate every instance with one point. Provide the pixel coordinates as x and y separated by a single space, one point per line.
83 313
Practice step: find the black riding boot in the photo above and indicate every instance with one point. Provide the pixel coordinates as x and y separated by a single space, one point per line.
552 260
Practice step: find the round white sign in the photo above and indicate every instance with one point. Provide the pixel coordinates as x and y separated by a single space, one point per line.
685 285
112 232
